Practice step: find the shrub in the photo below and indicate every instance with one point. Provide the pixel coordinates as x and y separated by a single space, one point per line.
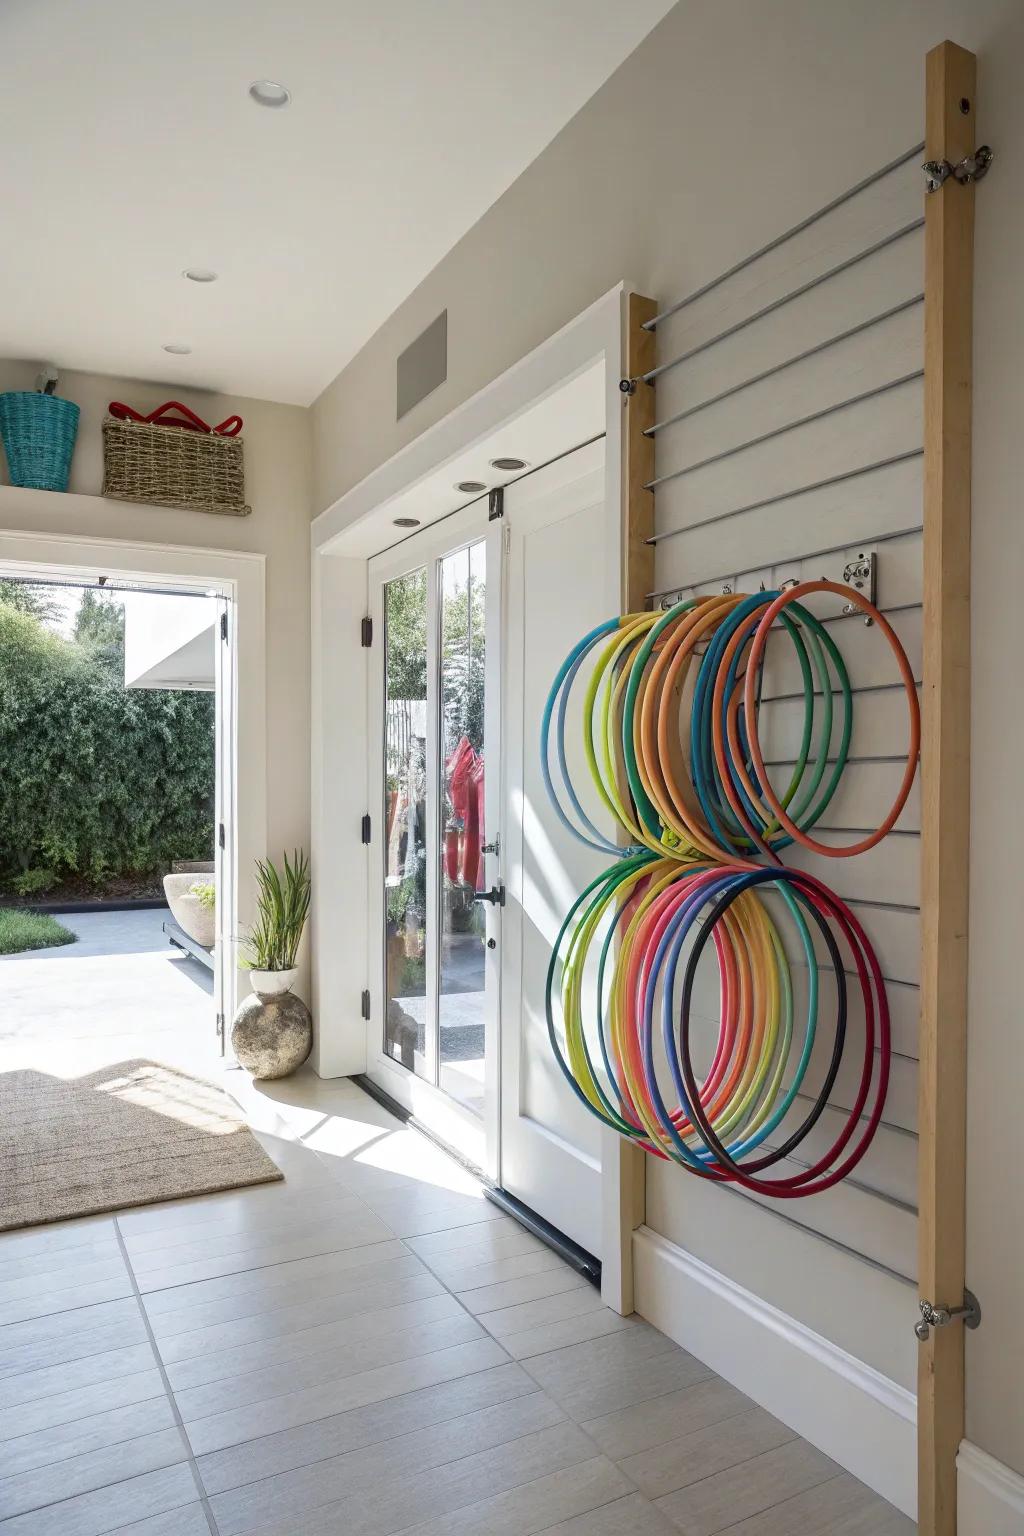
32 882
96 779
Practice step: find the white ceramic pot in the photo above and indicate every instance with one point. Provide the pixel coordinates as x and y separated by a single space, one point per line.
273 983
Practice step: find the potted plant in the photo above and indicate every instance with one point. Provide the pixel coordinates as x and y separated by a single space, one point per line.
272 1032
282 906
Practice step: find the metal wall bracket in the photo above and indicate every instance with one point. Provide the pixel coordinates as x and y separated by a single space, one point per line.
940 1317
970 168
861 572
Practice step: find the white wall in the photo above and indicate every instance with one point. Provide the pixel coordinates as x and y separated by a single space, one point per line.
277 460
171 638
725 127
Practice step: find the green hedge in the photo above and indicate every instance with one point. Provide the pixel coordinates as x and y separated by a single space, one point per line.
96 780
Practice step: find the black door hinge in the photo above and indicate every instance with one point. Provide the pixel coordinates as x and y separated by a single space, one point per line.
366 828
366 633
366 1004
222 836
224 625
495 503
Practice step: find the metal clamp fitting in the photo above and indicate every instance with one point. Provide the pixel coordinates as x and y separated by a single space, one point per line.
940 1317
970 168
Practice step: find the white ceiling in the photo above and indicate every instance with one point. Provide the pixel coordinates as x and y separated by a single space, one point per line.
131 150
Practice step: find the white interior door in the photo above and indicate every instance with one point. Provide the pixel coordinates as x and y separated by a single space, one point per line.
225 961
562 579
433 725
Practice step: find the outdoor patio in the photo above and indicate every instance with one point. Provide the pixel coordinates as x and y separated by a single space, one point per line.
120 992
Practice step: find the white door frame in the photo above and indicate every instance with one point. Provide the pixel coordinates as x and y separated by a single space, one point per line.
239 577
474 1137
342 536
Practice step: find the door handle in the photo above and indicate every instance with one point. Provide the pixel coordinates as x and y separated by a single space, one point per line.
496 895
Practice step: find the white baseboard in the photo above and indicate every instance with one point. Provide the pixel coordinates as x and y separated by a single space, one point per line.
989 1495
864 1421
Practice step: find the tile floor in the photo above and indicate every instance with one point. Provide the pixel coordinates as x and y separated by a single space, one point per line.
369 1348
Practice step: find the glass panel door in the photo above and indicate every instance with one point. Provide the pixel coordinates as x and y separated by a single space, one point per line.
405 820
434 932
463 926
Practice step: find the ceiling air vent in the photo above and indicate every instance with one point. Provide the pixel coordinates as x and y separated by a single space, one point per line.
423 365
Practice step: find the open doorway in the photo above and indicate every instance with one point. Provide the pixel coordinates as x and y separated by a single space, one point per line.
116 838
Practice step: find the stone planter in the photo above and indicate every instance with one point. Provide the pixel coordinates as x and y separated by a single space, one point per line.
195 919
272 1035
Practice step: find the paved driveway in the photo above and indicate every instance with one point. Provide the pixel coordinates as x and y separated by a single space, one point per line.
120 992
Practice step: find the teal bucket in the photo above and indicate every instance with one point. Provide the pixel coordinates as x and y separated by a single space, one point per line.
38 434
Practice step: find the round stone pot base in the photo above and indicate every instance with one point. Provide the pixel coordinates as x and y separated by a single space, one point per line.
272 1036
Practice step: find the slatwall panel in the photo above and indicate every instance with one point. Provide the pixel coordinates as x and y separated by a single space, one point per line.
790 443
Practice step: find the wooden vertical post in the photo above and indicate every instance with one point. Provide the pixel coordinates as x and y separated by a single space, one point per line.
950 134
624 1170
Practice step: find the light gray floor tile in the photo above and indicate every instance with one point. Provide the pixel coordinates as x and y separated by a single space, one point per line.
188 1520
60 1275
569 1330
56 1237
93 1469
728 1497
531 1507
238 1332
60 1410
488 1243
656 1420
308 1236
108 1509
509 1293
360 1329
840 1507
74 1298
49 1260
326 1365
40 1447
284 1284
629 1384
261 1220
385 1420
592 1362
87 1319
108 1365
58 1345
545 1309
415 1217
631 1516
692 1457
360 1231
470 1276
238 1424
357 1473
490 1227
403 1500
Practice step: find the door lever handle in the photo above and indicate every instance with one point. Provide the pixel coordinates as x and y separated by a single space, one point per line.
496 895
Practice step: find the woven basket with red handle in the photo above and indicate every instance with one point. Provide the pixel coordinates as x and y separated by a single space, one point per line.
172 458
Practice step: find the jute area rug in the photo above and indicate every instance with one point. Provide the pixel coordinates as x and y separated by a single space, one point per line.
130 1134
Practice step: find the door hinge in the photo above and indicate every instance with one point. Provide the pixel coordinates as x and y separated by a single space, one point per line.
224 625
366 633
495 503
222 836
940 1317
366 828
365 1004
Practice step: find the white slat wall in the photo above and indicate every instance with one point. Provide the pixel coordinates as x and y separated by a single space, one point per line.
843 1262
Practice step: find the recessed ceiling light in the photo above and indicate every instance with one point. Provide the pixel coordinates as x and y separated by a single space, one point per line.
407 522
200 275
268 93
177 348
470 487
508 464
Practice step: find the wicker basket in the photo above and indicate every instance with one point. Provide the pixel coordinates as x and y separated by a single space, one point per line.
173 467
38 433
